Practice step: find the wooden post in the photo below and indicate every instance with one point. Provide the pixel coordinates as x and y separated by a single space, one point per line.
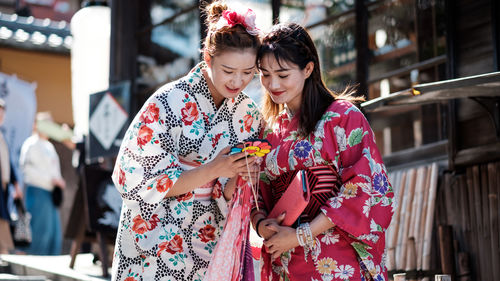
493 216
446 249
429 220
484 268
399 277
443 277
104 254
473 227
275 6
485 216
463 267
203 17
362 51
495 28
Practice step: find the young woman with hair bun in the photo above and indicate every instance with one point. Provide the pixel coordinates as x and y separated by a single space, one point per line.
174 171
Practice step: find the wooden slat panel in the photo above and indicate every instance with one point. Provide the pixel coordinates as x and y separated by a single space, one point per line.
493 218
473 227
485 230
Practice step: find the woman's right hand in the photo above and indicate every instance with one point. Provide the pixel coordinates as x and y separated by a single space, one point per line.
228 166
266 226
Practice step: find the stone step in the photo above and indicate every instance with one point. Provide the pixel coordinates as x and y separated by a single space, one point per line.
53 268
10 277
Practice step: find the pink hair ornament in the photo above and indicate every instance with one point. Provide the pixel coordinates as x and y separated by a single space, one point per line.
247 20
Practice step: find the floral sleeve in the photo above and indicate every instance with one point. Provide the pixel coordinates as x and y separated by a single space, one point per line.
147 165
363 207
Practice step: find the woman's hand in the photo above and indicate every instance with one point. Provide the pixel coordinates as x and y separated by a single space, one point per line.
284 239
18 193
253 172
228 166
59 182
266 226
223 165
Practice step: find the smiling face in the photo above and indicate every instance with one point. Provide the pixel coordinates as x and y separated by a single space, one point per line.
284 81
229 73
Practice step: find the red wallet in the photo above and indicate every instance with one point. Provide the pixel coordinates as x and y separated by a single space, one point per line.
294 200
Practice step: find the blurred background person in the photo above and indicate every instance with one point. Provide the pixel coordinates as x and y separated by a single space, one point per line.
42 174
7 176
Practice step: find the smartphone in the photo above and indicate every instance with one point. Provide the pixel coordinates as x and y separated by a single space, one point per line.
253 147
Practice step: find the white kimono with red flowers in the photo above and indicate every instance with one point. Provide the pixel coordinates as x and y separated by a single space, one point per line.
178 128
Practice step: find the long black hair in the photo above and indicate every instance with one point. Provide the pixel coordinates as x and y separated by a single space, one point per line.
291 43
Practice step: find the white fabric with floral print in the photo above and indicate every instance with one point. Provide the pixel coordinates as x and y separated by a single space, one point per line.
178 128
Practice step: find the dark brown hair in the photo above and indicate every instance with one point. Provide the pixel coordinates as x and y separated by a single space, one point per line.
225 38
292 44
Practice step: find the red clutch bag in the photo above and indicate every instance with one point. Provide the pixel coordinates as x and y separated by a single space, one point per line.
294 200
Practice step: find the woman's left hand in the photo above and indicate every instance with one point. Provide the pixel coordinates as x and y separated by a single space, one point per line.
252 173
284 240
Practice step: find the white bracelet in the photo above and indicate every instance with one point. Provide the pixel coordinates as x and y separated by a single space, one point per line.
308 235
300 235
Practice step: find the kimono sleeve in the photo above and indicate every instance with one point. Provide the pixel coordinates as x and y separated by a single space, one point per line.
147 165
363 207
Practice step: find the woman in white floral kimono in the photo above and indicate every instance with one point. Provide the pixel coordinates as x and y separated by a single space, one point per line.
173 170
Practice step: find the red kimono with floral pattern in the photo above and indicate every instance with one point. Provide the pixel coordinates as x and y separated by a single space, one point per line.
354 249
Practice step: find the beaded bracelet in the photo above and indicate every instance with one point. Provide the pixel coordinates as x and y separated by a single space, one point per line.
304 235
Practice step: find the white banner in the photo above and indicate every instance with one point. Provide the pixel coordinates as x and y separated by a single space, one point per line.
20 110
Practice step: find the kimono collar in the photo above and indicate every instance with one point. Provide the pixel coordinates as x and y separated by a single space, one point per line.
288 114
195 76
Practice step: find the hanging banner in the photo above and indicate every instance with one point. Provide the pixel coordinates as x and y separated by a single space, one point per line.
20 110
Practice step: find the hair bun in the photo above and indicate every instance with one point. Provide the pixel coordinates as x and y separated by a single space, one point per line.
214 11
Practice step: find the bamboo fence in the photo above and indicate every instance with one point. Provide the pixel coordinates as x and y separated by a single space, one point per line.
453 229
409 236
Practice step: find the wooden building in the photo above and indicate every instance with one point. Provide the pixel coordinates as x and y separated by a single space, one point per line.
429 70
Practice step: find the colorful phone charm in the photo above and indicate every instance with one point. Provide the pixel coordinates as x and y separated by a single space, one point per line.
257 147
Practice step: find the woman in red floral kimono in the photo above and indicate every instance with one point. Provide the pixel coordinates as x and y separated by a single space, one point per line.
340 235
173 170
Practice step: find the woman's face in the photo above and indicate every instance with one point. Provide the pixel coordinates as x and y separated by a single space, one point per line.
284 81
230 72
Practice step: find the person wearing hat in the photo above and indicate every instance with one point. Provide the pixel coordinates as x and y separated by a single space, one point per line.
42 173
6 176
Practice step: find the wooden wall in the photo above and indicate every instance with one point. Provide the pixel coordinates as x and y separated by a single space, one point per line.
51 72
474 37
468 202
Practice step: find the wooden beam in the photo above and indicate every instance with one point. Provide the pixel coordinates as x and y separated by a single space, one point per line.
483 85
425 154
478 155
408 69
